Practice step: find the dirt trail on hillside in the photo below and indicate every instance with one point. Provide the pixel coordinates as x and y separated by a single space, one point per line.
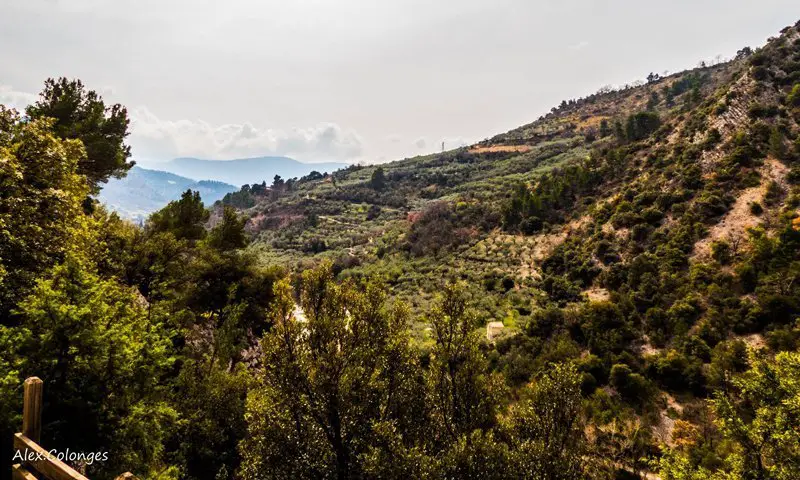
733 226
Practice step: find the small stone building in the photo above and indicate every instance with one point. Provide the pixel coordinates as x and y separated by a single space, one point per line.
493 329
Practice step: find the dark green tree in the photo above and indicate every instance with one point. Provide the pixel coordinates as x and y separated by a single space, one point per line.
184 218
40 203
605 129
378 179
229 233
757 419
101 357
545 429
278 183
777 147
463 395
82 114
639 126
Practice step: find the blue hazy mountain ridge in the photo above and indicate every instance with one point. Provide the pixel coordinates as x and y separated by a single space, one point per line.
245 170
143 191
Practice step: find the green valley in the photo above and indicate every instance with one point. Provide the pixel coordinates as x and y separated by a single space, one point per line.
609 292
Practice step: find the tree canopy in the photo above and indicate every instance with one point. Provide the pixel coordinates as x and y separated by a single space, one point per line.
81 114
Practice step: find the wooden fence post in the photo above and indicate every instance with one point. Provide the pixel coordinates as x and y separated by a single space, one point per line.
32 409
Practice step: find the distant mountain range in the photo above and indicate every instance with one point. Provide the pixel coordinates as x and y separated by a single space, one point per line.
245 170
144 191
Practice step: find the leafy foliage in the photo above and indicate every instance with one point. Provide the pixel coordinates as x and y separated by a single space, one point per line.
81 114
642 312
40 202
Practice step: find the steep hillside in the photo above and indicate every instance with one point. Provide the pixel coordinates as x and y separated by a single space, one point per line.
142 191
649 233
445 214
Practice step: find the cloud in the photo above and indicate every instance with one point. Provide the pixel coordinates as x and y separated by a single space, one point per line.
579 46
15 99
153 138
420 142
394 138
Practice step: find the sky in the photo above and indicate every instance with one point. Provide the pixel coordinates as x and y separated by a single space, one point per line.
355 80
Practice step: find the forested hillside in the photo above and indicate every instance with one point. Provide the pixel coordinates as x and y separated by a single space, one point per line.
635 253
143 191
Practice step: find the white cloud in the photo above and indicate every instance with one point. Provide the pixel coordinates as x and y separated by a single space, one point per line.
394 138
15 99
579 46
154 139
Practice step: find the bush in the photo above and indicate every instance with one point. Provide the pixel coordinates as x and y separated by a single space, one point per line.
760 73
530 225
793 99
631 386
794 175
437 228
762 111
675 371
640 125
657 325
721 251
560 290
315 245
373 212
773 193
605 328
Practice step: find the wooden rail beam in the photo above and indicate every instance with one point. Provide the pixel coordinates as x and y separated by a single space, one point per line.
18 472
44 463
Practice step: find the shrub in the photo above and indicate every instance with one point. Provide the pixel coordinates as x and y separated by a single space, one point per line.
773 193
315 245
676 372
794 175
605 328
762 111
378 179
760 73
793 99
721 251
530 225
373 212
560 290
640 125
631 386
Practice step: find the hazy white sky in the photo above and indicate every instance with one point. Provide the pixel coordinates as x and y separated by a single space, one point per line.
356 80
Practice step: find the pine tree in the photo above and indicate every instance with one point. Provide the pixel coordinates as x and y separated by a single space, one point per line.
82 114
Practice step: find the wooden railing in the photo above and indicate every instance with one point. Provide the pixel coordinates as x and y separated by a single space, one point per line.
37 460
